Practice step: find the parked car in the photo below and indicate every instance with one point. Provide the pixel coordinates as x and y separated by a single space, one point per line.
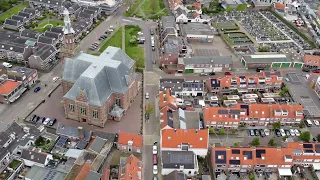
155 159
154 150
316 71
227 73
37 119
33 117
147 96
151 31
7 65
52 122
54 79
251 132
296 131
292 132
153 48
305 70
37 89
203 74
259 69
155 169
282 132
267 132
46 121
316 122
262 134
277 131
256 132
43 119
212 73
155 178
287 132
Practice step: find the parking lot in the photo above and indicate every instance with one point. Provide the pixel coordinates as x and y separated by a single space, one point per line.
53 108
303 94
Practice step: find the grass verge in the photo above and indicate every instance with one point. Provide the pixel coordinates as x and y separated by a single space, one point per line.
13 11
115 40
133 50
133 7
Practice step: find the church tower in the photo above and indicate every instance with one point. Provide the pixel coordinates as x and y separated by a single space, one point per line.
69 48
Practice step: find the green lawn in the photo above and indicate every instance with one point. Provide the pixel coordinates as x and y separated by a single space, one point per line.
47 24
158 6
13 11
241 7
134 51
15 164
115 40
134 6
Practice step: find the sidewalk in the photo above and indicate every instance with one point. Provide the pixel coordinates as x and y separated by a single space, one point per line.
123 37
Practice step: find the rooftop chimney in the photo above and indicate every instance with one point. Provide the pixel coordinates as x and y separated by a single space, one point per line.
197 131
175 130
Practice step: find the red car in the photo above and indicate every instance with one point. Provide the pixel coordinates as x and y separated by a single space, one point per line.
155 159
227 73
316 71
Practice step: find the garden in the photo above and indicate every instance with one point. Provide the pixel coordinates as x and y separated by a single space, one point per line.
133 50
10 8
45 144
154 9
46 25
15 164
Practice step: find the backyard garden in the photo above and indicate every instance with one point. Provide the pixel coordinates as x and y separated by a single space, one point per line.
45 144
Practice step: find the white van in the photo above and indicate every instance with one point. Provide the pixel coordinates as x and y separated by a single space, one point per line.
308 123
7 65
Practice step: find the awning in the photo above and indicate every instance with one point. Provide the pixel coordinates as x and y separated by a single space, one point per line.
316 166
285 172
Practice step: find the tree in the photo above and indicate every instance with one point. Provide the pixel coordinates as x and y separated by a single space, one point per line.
150 109
272 142
222 132
251 176
302 125
305 136
153 6
236 144
318 137
276 125
255 141
284 91
211 130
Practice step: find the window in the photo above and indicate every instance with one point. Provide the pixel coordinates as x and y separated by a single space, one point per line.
71 107
95 114
83 111
138 151
118 101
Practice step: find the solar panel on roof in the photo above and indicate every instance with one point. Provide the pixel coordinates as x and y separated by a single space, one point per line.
317 146
237 162
308 151
235 151
259 152
222 155
248 154
222 111
307 145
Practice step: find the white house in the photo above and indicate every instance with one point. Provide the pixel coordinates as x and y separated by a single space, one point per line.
31 158
193 140
183 161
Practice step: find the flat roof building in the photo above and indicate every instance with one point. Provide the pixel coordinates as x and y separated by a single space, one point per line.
197 32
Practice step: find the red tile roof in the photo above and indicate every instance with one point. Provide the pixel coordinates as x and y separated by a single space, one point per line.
166 102
311 60
171 138
132 169
8 86
105 174
83 172
279 6
135 138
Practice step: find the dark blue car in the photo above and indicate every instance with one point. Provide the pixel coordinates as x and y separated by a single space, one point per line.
37 89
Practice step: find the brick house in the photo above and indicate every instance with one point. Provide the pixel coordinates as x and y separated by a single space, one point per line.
99 88
170 54
129 142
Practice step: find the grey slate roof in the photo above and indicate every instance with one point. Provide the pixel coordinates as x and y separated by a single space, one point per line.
52 34
98 76
172 45
24 14
37 172
45 52
45 40
4 137
93 176
175 159
180 11
12 47
110 137
52 2
89 11
175 175
18 18
56 30
175 84
67 4
26 71
8 35
12 22
206 60
29 33
34 156
72 132
168 21
97 145
30 10
84 15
